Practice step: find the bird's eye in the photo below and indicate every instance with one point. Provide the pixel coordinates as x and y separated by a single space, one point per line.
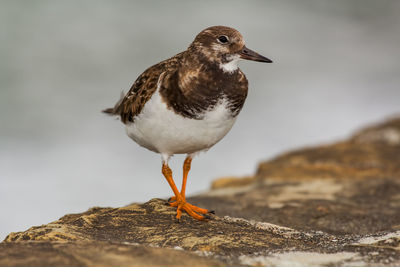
223 39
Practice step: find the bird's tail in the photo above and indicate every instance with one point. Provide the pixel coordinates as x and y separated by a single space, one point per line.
109 111
115 110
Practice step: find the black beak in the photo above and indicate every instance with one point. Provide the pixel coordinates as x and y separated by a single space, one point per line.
251 55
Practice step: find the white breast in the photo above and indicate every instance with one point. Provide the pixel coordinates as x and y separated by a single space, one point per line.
162 130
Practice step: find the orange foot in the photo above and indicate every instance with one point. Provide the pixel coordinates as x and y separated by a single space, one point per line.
190 209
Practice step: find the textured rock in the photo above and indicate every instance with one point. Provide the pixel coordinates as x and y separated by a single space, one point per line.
351 187
371 153
329 205
87 253
153 223
232 182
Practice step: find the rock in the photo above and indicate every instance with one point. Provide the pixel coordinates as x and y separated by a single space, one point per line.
232 182
371 153
98 253
329 205
351 187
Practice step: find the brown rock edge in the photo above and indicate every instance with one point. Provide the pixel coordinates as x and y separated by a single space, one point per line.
329 205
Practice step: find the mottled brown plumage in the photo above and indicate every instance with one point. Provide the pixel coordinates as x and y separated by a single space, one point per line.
188 103
192 81
142 89
203 90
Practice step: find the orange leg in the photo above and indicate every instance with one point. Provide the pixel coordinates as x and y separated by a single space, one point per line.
186 169
179 200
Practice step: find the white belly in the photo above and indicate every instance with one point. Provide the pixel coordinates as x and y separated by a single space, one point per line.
162 130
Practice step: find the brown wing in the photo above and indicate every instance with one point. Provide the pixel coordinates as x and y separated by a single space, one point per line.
129 106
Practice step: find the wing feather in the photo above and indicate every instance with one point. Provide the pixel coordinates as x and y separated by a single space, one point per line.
130 105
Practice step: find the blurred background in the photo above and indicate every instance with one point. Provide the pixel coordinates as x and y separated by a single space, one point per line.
336 68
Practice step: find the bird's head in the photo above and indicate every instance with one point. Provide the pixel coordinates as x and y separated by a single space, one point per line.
224 46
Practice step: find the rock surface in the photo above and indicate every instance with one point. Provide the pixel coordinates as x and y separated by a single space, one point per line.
329 205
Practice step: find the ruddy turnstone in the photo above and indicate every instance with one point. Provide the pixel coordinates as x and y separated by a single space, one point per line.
187 103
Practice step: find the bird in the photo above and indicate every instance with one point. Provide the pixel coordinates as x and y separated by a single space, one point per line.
187 103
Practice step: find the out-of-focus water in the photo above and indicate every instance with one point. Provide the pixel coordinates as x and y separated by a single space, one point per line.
336 67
